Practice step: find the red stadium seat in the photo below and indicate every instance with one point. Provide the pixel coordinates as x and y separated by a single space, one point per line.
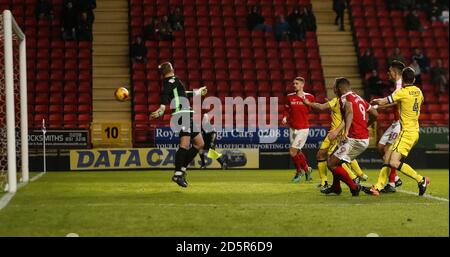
437 117
433 108
42 87
55 120
443 98
41 108
263 86
261 64
216 49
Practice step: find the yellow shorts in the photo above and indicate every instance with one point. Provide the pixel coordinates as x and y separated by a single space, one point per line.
329 144
405 142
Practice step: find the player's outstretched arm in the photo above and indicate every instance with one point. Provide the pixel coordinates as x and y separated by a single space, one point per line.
200 91
203 91
286 111
373 114
380 102
317 106
333 133
379 107
159 112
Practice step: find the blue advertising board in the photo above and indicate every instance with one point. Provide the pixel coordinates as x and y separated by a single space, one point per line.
263 139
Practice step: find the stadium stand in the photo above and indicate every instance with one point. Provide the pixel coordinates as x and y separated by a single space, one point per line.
59 72
382 30
217 50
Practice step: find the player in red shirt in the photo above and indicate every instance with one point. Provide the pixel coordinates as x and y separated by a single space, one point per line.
296 114
357 116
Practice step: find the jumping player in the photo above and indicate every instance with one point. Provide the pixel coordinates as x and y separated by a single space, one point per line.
409 99
296 113
355 138
174 94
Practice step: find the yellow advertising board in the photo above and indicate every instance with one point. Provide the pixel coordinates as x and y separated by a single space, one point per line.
111 134
154 158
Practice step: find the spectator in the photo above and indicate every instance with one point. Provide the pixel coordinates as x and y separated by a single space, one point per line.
294 16
69 20
422 4
417 71
413 22
402 5
298 30
421 59
282 29
309 19
406 4
443 3
84 31
445 15
367 62
176 19
151 31
339 7
87 6
439 76
434 11
44 9
256 21
374 86
65 2
165 29
392 5
396 56
138 51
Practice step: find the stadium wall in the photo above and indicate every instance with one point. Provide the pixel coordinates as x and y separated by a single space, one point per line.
420 158
59 160
432 151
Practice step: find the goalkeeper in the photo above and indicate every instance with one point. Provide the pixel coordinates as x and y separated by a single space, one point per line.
175 95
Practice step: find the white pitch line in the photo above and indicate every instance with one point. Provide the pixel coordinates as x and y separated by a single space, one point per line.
269 205
37 176
5 199
416 194
9 196
425 195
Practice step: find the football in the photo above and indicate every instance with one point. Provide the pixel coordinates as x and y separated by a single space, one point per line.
122 94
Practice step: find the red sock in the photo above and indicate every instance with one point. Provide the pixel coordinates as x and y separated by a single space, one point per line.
336 181
392 175
303 162
297 163
345 177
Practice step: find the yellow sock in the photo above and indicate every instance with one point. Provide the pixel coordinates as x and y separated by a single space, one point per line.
410 172
213 154
322 167
347 168
355 168
382 177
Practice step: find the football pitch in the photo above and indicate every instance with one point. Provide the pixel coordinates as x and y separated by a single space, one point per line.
219 203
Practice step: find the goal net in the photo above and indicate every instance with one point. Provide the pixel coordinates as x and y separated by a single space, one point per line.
13 105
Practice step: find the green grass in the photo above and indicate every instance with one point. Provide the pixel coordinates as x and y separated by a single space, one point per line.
217 203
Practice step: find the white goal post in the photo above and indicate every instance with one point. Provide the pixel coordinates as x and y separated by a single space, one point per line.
11 31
